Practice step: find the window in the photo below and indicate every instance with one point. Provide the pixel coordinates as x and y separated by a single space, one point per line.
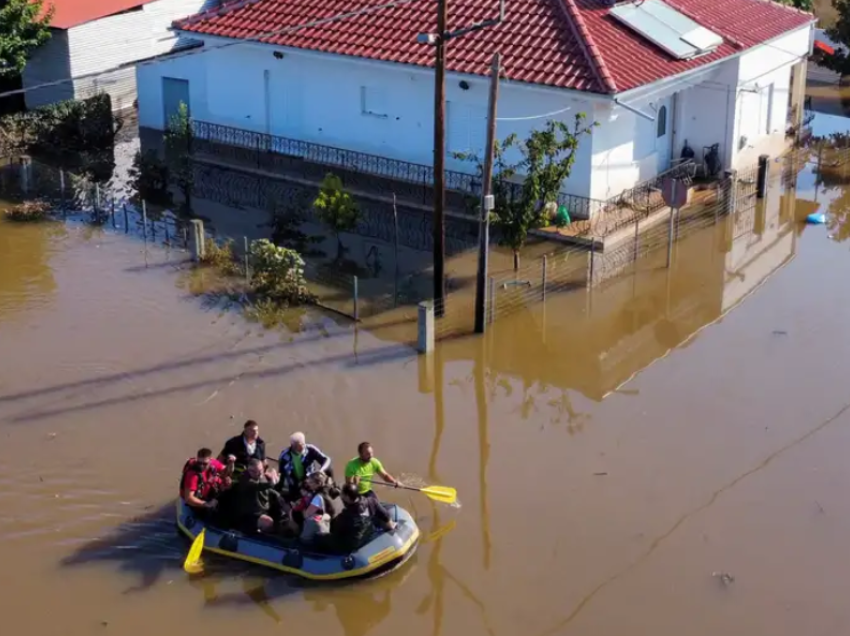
373 101
661 122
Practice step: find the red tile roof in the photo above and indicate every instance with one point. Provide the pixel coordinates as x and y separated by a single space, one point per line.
562 43
71 13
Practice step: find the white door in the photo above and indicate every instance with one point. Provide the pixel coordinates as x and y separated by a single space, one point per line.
664 133
284 104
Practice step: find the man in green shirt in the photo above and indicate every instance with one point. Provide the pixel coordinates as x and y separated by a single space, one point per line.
361 470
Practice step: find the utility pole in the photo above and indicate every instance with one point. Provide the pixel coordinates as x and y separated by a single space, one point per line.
439 40
440 160
487 202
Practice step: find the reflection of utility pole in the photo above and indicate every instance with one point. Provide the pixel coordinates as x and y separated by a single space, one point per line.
439 40
487 203
439 413
480 369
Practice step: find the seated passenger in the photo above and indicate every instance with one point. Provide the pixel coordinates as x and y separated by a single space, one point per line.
202 480
360 516
253 503
248 445
315 508
298 460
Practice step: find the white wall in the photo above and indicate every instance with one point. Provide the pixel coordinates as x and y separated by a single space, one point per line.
763 88
149 76
49 63
319 98
123 39
706 112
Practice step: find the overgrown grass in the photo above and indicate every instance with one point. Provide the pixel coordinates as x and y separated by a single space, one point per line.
221 257
29 212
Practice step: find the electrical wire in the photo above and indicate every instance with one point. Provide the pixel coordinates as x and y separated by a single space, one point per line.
206 49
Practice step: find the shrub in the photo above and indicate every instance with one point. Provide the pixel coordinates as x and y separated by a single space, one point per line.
29 212
278 273
220 257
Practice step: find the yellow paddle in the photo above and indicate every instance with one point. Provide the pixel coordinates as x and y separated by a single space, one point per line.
443 494
193 563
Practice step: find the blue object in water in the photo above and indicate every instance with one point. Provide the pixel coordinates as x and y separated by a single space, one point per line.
817 218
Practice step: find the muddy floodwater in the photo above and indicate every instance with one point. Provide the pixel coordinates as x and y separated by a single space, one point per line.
667 457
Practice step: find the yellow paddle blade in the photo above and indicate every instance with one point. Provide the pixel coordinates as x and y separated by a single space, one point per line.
193 564
443 494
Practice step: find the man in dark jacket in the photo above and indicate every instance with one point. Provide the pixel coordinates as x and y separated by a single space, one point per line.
252 504
248 445
300 460
360 516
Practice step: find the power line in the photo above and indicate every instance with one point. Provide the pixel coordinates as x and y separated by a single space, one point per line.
206 49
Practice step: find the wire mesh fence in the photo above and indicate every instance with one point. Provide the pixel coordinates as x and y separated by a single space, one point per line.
354 291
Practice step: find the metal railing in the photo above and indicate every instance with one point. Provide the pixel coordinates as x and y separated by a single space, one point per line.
263 150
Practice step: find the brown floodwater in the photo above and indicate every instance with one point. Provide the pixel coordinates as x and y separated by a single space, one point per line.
614 455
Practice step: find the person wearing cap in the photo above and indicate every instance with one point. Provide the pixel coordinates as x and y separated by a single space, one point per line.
300 460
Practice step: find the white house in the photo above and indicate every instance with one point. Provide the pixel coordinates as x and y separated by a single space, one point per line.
90 38
654 74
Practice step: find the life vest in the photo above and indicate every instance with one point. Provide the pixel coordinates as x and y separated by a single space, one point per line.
207 479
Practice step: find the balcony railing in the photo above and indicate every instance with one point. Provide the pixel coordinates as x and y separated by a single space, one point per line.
267 151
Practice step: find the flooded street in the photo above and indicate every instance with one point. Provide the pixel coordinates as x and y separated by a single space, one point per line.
615 456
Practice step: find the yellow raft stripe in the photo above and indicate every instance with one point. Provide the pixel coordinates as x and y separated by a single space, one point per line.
382 554
375 562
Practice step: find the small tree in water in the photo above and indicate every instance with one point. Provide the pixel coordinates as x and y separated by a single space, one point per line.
336 209
547 160
178 155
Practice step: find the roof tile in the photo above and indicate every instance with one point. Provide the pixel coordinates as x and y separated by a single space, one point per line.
572 44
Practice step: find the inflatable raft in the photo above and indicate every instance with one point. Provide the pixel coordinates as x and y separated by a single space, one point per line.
384 552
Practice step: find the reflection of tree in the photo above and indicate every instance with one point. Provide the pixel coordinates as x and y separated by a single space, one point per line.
838 220
25 274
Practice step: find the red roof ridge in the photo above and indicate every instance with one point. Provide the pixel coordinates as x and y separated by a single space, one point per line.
588 45
224 8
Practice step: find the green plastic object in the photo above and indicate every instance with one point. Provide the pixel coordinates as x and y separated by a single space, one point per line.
562 217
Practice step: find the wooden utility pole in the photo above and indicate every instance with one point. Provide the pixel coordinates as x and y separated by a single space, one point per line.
439 160
439 41
487 197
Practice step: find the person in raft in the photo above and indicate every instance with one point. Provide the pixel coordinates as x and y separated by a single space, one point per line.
299 461
249 445
202 481
361 470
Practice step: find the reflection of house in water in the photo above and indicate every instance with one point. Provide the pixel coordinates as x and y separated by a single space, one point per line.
595 344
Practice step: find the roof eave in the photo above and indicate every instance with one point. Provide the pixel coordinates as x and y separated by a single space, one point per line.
415 68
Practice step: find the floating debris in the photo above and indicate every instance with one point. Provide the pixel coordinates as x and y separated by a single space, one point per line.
724 577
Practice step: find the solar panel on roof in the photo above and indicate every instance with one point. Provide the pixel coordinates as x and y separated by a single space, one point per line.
668 29
703 39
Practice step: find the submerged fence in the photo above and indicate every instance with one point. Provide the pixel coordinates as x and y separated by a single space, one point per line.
362 292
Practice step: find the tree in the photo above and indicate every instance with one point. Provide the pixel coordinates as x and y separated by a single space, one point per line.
24 26
178 155
803 5
839 33
547 160
336 209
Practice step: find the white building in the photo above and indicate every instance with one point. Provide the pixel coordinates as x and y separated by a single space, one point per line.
653 74
90 38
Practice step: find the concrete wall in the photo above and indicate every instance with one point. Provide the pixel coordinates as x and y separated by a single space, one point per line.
377 108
